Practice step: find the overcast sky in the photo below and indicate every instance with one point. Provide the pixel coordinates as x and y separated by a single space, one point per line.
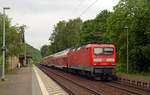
41 15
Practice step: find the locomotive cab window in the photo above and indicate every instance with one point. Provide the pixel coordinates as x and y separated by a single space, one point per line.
108 51
87 50
98 50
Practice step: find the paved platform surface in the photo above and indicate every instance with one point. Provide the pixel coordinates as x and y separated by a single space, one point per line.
51 87
30 81
18 84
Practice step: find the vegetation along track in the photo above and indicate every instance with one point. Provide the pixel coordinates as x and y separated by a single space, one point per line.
101 88
69 85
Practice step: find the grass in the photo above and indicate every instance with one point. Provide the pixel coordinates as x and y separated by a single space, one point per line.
7 80
142 74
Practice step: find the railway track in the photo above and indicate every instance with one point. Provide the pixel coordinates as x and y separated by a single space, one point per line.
71 89
89 87
140 89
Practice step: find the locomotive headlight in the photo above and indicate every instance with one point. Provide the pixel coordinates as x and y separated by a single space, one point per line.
94 63
97 60
110 59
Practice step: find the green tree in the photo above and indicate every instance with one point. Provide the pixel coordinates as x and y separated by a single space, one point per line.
44 50
95 30
66 35
135 15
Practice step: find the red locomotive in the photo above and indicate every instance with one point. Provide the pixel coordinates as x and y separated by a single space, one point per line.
92 60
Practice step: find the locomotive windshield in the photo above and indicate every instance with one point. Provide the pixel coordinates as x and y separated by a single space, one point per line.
108 51
98 50
103 51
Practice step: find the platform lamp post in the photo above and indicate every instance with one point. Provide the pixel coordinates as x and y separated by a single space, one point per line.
127 49
4 47
25 55
23 39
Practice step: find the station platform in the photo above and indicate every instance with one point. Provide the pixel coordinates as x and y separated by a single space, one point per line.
30 81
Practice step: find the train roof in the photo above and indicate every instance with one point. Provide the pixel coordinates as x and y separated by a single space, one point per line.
91 45
47 56
101 45
61 53
64 52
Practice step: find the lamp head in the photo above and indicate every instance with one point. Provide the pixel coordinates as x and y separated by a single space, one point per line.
6 8
126 27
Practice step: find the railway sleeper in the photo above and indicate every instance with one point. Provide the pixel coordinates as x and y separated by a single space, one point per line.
144 84
133 82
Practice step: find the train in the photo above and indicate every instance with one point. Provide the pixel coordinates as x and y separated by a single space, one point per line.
96 61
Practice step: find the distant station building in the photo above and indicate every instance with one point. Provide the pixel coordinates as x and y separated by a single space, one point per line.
22 60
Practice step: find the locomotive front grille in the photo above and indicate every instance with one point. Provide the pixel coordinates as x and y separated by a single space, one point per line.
103 70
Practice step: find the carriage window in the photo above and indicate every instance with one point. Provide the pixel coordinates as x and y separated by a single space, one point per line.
79 48
73 49
87 51
108 51
98 50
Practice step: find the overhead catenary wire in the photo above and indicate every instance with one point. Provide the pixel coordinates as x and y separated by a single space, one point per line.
88 8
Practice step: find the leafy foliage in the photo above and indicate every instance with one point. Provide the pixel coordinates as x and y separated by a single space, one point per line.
65 35
35 53
135 15
44 50
94 30
14 42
